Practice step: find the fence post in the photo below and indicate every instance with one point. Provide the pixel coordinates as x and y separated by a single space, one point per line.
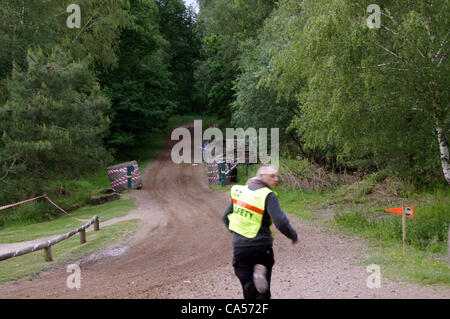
404 230
82 236
129 176
47 246
48 253
222 167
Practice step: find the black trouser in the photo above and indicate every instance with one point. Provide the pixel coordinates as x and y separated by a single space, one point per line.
244 259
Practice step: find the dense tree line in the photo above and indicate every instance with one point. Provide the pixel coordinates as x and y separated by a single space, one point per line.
351 96
70 97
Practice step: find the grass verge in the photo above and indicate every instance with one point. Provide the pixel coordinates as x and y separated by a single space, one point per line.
425 260
69 249
416 266
18 233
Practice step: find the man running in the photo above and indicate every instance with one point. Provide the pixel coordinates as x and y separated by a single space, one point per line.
249 216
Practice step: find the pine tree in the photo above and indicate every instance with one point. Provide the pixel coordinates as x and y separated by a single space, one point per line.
141 88
52 123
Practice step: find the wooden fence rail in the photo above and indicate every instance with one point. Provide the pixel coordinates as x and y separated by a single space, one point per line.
47 246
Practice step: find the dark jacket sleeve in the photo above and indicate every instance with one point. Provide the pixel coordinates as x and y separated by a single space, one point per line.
225 214
279 218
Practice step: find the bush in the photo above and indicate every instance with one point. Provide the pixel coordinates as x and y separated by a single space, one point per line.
28 213
300 173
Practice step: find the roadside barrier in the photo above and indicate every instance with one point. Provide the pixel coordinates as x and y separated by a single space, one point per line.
125 176
47 198
124 179
22 202
47 246
231 168
215 172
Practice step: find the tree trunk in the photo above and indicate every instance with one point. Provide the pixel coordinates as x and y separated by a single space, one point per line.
448 246
445 157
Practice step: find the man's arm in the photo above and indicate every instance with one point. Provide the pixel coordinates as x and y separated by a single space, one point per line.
279 218
225 214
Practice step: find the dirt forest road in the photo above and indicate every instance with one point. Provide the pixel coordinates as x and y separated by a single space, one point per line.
182 250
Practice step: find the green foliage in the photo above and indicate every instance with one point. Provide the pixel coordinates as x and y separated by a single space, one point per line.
144 149
223 26
256 106
154 77
52 124
303 203
42 24
370 98
19 24
259 102
349 96
300 173
177 25
55 121
415 266
99 35
67 193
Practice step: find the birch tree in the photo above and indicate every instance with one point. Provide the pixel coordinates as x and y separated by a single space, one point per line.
374 97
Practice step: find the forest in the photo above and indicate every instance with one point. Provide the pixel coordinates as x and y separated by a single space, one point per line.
352 88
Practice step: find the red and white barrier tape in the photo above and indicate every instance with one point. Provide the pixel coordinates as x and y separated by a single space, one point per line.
123 180
22 202
230 169
62 210
43 196
121 170
134 175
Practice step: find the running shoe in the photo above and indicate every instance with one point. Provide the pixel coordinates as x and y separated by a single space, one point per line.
259 278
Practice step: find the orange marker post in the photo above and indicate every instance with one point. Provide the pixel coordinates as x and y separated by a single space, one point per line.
409 211
405 212
404 230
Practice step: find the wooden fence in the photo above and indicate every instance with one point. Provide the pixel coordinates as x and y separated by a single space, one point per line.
47 246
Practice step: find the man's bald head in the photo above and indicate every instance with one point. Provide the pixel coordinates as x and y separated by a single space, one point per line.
268 174
266 169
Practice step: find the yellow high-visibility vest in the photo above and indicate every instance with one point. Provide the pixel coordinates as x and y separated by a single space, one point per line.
248 210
